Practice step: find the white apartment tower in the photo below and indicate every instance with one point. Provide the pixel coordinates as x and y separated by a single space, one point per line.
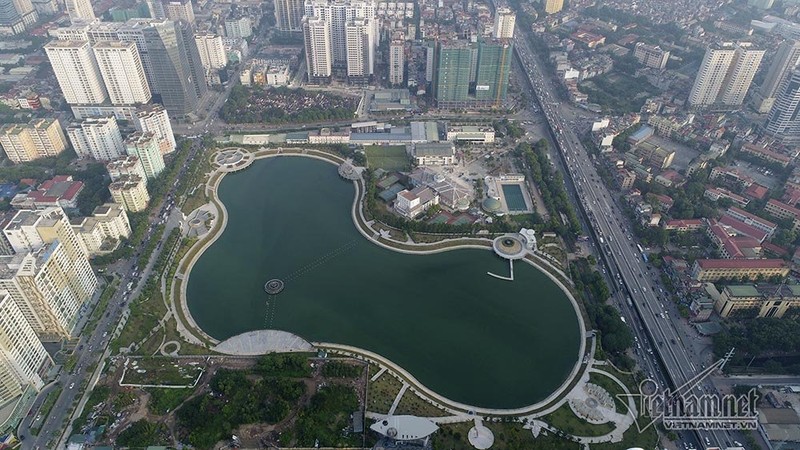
317 38
360 48
23 359
123 72
338 13
154 118
396 61
783 63
289 15
179 10
212 51
504 20
125 165
76 71
145 147
79 10
650 56
97 138
37 139
725 74
130 191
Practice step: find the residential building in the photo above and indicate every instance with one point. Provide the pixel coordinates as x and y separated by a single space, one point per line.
715 194
125 165
30 230
553 6
360 45
725 74
130 191
179 10
77 72
103 231
460 65
23 360
16 16
434 154
783 120
397 65
289 15
49 287
240 27
212 51
177 70
752 220
145 147
97 138
766 154
411 204
783 211
493 69
504 20
122 72
317 39
154 118
40 138
712 270
61 190
80 10
339 14
650 56
783 63
769 300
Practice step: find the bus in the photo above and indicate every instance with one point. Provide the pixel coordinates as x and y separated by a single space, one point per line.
638 246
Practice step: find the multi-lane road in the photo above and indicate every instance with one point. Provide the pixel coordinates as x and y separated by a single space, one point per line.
91 349
617 245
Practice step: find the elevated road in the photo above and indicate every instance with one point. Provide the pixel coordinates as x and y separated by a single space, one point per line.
616 242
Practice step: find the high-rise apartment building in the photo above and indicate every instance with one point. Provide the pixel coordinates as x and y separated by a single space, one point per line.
23 359
38 139
212 51
130 191
97 138
725 74
31 229
650 56
472 75
289 15
240 27
317 39
783 121
338 14
106 227
179 10
16 16
553 6
504 20
125 165
397 64
145 147
122 71
155 119
79 10
783 63
76 71
177 69
360 49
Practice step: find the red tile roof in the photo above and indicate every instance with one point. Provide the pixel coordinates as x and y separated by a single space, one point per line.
741 263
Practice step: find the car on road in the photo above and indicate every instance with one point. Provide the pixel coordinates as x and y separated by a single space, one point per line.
72 385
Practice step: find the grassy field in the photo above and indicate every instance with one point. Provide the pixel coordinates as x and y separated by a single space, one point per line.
565 420
389 157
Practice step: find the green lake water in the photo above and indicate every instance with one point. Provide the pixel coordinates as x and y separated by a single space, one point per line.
468 336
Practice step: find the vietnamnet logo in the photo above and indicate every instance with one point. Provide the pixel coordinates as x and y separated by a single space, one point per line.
682 409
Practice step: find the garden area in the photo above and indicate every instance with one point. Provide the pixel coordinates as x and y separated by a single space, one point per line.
618 93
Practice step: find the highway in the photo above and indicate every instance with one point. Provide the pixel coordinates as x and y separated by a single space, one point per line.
616 242
91 348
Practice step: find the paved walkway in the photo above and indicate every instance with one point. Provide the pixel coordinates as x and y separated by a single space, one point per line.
398 398
260 342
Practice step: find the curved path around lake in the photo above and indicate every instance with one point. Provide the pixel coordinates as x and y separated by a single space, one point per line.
257 342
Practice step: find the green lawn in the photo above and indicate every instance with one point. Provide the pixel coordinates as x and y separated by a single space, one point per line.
565 420
387 157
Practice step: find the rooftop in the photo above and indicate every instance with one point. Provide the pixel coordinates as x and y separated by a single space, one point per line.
741 263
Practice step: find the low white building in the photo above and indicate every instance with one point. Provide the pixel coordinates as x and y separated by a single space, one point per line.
102 232
411 204
470 133
434 154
